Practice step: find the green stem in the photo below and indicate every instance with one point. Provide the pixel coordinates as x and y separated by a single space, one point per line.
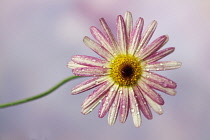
39 95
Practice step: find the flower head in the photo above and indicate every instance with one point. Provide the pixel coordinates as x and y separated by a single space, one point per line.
123 77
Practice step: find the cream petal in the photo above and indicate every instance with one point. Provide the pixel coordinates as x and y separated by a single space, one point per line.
73 65
156 86
109 36
113 111
153 47
89 61
121 35
98 93
147 35
128 24
97 34
142 103
90 71
163 65
89 84
156 107
146 90
124 104
161 80
107 101
136 36
91 107
97 48
134 109
159 55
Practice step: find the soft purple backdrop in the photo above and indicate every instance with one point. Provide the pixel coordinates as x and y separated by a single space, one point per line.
38 38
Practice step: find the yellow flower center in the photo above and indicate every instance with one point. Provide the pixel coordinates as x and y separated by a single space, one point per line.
125 70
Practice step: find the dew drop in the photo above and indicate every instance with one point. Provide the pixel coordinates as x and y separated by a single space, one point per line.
157 69
132 110
93 60
136 104
113 105
120 91
161 64
137 113
107 98
112 89
123 106
83 70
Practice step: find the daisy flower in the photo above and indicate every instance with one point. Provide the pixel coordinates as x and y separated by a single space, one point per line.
123 77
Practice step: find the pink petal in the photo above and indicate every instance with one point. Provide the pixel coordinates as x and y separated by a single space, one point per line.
121 34
136 36
153 47
124 105
156 86
142 103
90 71
89 61
113 111
134 108
100 50
156 107
109 35
73 65
91 107
89 84
147 35
163 65
146 90
159 55
97 34
98 93
107 101
128 24
162 81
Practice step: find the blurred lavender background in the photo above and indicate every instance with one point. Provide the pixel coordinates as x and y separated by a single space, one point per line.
38 38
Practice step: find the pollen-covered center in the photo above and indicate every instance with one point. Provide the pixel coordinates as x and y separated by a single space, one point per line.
125 70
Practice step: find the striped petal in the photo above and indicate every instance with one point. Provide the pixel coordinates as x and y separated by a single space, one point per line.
128 24
88 61
159 55
89 84
97 48
121 34
147 35
142 103
99 93
136 36
91 107
90 71
113 111
156 86
162 81
153 47
97 34
73 65
107 101
146 90
109 35
124 105
156 107
163 65
134 109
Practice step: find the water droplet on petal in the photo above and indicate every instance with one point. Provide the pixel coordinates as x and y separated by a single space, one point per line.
120 91
132 110
123 106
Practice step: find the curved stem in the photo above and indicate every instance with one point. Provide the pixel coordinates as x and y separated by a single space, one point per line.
39 95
